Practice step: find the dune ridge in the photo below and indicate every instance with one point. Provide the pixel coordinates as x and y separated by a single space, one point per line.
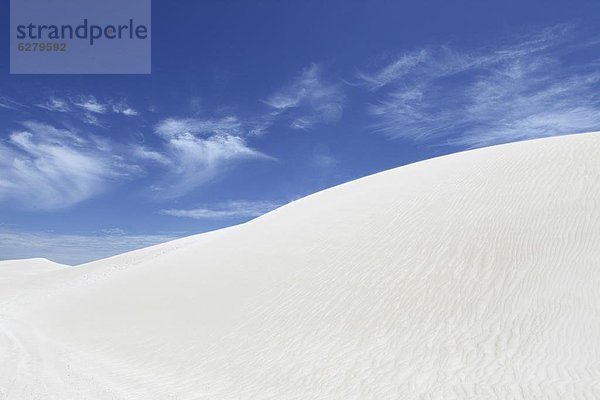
468 276
14 271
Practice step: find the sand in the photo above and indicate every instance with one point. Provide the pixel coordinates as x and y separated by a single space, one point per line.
469 276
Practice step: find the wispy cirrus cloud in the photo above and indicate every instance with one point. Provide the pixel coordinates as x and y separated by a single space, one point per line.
90 104
142 153
395 70
43 167
125 109
88 108
200 149
10 104
74 249
230 209
174 127
308 99
520 90
55 104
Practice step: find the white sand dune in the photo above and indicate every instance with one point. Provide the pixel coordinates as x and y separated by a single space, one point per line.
12 272
27 267
469 276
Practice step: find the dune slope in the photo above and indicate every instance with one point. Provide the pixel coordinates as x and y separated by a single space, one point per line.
13 272
469 276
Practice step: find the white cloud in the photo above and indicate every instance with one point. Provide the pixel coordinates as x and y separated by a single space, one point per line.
56 104
508 92
90 104
231 209
200 149
91 119
123 108
73 249
397 69
142 153
10 104
259 126
199 160
43 167
176 127
88 108
308 100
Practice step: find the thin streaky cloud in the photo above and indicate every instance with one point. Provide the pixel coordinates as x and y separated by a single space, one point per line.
90 104
521 90
10 104
125 109
174 127
200 150
89 108
308 100
56 104
45 168
397 69
143 153
230 209
90 119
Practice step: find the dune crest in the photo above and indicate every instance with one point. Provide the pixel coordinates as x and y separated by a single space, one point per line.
18 270
469 276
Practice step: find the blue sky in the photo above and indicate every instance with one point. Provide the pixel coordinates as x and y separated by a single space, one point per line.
251 105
